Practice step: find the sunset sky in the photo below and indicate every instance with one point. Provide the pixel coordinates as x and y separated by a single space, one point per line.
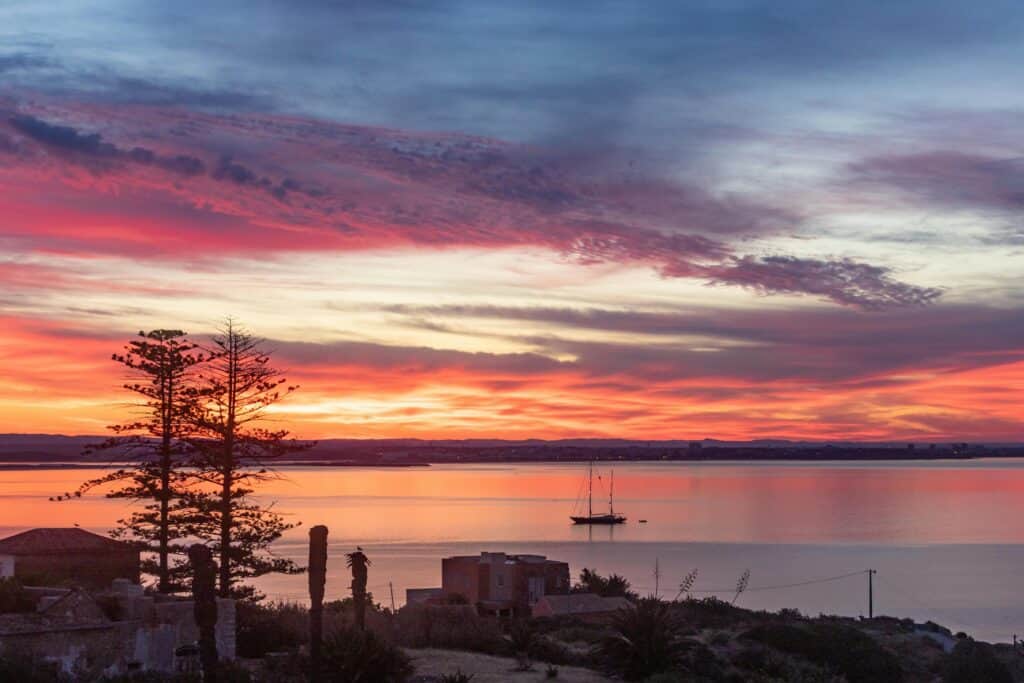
726 218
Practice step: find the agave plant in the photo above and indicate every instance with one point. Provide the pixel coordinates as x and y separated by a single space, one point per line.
643 641
352 655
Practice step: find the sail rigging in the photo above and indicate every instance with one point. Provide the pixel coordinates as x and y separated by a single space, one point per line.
609 517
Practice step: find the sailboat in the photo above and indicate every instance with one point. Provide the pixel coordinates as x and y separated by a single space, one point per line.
609 517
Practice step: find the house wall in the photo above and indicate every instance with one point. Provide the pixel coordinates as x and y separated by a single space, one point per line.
462 576
502 577
6 566
91 570
556 578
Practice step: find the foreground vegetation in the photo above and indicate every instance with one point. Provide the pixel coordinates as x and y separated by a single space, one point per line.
689 640
657 641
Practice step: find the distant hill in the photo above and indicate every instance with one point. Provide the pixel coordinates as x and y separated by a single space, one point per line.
58 448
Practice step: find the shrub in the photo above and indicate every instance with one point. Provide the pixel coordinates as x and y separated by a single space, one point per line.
25 669
352 655
551 672
844 649
611 586
457 677
456 627
550 651
972 661
642 642
521 636
275 627
710 613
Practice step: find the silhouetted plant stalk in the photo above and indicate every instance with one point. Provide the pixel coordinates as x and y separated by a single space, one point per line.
160 365
686 586
741 585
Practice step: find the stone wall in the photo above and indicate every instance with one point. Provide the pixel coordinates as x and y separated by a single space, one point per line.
147 636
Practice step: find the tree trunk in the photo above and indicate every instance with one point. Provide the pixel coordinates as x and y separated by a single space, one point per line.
163 552
225 534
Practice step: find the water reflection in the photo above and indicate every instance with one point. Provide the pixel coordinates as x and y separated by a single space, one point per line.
949 531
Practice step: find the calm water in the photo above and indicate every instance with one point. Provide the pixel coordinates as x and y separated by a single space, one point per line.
947 539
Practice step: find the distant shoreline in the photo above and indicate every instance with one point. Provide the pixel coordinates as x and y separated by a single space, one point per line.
21 450
15 465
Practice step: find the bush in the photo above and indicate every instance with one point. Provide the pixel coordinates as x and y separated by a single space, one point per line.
710 613
351 655
25 669
457 677
971 661
456 627
643 642
276 627
844 649
607 587
550 651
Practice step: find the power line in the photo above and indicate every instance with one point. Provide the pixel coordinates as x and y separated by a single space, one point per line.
784 585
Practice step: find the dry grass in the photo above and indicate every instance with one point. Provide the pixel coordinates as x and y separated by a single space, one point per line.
488 669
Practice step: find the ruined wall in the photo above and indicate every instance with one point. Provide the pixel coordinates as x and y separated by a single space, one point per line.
85 651
85 643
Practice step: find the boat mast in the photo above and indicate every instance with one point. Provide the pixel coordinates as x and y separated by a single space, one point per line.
590 491
611 495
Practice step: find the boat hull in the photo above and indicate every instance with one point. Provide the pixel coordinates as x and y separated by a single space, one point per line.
599 519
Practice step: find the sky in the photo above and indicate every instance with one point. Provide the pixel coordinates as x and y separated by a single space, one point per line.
667 220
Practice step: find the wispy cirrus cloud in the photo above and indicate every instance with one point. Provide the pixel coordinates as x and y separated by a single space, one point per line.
948 178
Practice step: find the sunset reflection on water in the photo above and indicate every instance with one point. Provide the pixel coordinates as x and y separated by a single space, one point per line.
928 527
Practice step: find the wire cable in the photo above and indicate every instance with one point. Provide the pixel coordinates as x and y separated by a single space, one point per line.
784 585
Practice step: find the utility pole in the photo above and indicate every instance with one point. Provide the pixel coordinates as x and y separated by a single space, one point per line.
657 576
391 587
871 593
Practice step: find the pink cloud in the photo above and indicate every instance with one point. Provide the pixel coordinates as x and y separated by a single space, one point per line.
132 180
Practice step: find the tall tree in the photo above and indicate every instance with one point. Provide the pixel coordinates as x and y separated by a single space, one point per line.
160 364
233 452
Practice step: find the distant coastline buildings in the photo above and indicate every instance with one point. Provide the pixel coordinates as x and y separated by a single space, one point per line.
520 585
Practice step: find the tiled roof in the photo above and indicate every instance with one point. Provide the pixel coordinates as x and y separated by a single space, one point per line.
56 541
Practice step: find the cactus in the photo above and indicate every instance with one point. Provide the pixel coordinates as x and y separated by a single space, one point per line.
204 596
359 563
317 580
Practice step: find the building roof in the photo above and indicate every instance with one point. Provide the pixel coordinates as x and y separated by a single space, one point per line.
583 603
492 556
58 541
